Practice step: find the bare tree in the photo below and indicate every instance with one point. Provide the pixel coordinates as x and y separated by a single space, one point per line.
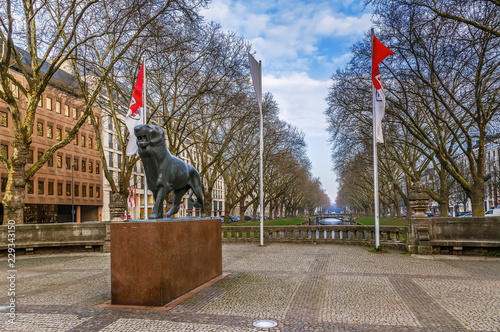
38 37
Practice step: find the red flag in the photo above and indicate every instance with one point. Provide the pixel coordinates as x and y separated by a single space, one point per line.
134 115
379 53
136 103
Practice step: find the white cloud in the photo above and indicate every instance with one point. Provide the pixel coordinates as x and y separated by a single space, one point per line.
301 100
283 33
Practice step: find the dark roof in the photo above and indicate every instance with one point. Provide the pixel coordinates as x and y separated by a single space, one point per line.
61 79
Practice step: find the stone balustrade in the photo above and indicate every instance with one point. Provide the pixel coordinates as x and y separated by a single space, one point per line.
390 236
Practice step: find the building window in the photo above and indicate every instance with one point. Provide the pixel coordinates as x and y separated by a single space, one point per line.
4 184
59 161
39 129
84 191
110 159
50 133
30 156
4 151
97 192
84 166
66 110
110 141
91 144
49 103
119 159
50 161
75 140
75 164
97 169
29 185
83 141
40 102
77 191
68 163
68 189
91 167
110 122
41 188
4 119
89 120
74 113
39 155
50 189
91 191
59 189
58 107
58 134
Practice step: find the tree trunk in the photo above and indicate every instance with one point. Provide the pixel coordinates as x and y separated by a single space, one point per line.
396 203
242 210
227 212
14 198
255 206
477 201
208 203
443 192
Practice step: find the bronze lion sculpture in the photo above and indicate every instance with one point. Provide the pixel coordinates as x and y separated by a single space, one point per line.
165 172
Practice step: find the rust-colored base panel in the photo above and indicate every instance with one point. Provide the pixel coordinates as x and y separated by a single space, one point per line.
153 263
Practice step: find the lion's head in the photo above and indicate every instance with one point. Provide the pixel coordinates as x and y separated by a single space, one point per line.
149 135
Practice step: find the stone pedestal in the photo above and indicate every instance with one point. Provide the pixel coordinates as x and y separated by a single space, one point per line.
153 263
418 226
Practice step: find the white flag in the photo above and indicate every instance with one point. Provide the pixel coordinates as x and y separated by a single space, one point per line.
379 112
255 72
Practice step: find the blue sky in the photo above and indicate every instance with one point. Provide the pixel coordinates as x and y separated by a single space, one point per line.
301 44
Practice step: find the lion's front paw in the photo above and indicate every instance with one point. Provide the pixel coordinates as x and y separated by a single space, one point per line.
154 215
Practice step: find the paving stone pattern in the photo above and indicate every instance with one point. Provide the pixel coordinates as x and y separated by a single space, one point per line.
302 287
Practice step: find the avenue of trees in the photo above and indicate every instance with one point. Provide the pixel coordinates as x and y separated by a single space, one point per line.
198 90
442 89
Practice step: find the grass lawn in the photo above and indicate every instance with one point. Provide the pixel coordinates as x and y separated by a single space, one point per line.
384 221
271 222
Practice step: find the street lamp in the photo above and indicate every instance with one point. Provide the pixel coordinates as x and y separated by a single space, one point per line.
72 195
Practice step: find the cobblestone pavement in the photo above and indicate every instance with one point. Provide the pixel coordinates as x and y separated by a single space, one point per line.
302 287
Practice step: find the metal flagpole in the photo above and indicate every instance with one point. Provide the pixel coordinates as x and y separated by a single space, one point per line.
145 122
375 163
261 162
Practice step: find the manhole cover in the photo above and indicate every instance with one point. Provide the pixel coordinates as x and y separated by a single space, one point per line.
265 323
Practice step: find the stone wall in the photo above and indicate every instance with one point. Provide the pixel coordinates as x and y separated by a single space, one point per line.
43 238
469 235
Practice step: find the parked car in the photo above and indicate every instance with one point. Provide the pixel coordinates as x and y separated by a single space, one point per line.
248 218
492 213
234 219
219 217
465 214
